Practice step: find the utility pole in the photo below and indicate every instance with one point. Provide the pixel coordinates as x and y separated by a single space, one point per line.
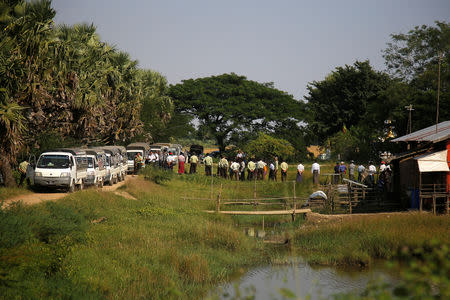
409 126
438 91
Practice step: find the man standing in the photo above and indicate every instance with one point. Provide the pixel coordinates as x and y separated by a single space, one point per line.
372 171
235 170
193 161
342 171
361 170
23 166
315 170
251 170
260 169
300 170
276 169
272 171
351 171
208 161
223 165
242 170
336 173
284 167
138 161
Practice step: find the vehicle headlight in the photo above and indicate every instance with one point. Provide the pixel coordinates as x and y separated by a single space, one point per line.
65 174
38 174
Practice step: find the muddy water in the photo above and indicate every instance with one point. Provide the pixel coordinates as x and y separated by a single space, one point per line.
305 281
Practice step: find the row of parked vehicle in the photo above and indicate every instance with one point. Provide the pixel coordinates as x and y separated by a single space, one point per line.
75 168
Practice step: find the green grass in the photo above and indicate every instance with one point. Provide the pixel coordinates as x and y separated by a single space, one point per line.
360 239
162 246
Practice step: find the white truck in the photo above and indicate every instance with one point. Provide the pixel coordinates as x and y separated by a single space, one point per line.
113 167
96 171
61 168
132 150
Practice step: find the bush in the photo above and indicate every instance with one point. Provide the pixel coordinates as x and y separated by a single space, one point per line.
157 175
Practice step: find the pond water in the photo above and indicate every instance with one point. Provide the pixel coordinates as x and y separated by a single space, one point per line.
303 280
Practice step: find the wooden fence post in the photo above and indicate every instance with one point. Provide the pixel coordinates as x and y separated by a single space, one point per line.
218 199
295 204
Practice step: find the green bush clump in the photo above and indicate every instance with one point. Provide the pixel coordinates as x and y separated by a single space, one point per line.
157 175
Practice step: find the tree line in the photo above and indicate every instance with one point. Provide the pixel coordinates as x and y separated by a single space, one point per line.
62 85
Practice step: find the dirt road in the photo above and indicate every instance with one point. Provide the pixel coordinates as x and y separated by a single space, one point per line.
34 198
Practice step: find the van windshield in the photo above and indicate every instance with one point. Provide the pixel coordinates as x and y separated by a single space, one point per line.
51 161
131 155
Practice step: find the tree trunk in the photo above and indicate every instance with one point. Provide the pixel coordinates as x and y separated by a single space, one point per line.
220 143
5 169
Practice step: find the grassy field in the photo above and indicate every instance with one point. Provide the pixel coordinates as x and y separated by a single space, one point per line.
95 244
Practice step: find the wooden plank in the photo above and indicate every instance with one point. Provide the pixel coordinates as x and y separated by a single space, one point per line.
267 212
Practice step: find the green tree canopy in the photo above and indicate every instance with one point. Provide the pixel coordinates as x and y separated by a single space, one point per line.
230 104
342 98
414 59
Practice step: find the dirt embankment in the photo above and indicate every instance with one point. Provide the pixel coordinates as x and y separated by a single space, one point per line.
34 198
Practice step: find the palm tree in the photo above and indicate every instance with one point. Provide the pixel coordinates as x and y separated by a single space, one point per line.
12 128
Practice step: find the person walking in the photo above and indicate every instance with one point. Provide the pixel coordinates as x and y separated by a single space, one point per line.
193 160
361 170
208 161
251 167
342 171
351 170
181 163
300 170
284 167
315 170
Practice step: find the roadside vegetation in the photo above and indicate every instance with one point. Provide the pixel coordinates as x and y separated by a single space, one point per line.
96 244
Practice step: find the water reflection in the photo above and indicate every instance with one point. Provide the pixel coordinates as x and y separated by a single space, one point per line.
304 281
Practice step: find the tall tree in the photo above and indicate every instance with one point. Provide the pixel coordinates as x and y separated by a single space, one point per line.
342 98
414 58
230 104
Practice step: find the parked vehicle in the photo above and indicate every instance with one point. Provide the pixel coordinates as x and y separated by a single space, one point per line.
61 168
132 150
123 162
113 168
96 171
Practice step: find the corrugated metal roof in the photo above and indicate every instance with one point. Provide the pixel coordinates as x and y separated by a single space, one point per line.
428 134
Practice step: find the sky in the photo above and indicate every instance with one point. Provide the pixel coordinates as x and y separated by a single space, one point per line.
290 43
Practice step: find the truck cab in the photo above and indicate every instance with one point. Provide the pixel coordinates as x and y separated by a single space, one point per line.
96 171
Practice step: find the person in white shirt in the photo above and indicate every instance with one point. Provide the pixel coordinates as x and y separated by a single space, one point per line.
300 170
272 171
361 170
372 171
315 170
235 169
382 167
260 169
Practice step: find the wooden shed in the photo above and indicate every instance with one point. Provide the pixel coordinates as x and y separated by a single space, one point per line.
423 171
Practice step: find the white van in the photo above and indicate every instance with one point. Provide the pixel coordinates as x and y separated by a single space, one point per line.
96 171
113 166
61 168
